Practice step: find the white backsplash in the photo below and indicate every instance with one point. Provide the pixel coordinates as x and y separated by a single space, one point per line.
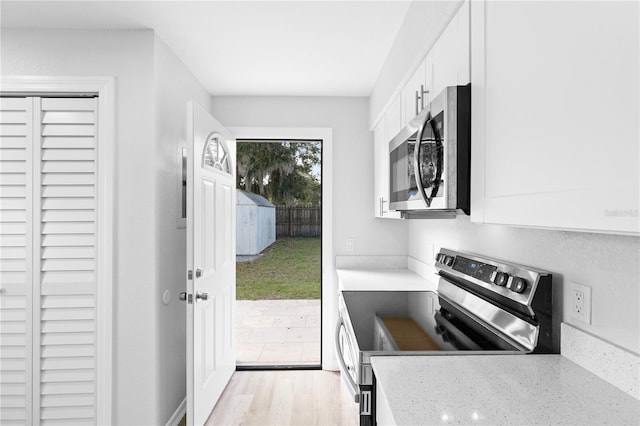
615 365
370 262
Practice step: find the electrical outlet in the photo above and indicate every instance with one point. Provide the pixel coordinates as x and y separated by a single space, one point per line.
581 302
349 244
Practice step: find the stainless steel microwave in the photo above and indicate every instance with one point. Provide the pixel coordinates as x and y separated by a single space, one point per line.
432 178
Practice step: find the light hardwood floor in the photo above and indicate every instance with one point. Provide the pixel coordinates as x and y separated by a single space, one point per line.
311 397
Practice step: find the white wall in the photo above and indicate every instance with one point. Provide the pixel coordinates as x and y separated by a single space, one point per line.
609 264
127 55
174 87
255 227
152 88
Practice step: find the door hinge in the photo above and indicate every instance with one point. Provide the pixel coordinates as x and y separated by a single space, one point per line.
190 274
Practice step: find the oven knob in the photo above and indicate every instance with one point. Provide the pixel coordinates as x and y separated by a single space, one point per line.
518 284
501 279
449 260
440 258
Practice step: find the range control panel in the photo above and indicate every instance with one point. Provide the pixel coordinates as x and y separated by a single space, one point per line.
515 282
475 269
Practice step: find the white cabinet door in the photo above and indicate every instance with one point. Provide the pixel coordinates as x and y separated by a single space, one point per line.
560 129
381 138
393 118
451 64
384 416
415 93
445 59
463 40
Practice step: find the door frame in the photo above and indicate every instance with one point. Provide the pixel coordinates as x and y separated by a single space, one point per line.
104 88
329 287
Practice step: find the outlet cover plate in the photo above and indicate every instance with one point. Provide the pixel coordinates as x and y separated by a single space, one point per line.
349 244
580 298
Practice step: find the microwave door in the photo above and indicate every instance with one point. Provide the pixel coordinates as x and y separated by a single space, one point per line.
403 185
429 161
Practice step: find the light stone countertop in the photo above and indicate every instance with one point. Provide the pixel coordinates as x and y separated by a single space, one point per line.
499 390
384 279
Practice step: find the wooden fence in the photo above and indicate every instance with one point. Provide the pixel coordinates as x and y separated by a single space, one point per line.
298 221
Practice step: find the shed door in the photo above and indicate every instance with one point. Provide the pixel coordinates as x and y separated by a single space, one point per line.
48 268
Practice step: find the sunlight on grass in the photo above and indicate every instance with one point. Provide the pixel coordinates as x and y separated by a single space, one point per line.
289 269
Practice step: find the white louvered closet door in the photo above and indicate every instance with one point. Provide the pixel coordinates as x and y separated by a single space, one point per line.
48 183
16 141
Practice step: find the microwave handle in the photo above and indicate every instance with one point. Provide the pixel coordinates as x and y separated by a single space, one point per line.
428 121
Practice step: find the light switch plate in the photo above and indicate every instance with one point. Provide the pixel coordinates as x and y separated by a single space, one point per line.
580 297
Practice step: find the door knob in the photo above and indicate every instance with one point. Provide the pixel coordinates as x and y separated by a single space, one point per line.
198 273
202 296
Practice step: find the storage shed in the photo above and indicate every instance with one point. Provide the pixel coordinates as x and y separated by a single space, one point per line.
255 223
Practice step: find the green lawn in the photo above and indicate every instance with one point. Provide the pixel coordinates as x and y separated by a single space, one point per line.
289 269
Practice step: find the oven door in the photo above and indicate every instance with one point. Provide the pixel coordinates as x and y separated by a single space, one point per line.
347 358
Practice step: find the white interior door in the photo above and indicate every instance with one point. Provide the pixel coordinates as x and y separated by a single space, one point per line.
211 260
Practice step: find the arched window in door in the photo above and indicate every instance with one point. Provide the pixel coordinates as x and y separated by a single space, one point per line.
216 155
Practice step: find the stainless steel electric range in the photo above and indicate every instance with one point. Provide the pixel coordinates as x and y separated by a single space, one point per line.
482 306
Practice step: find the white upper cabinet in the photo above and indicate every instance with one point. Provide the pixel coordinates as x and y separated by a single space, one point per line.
555 115
451 53
446 64
389 126
393 119
416 93
463 52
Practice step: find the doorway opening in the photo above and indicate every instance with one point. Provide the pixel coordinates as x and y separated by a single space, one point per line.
279 254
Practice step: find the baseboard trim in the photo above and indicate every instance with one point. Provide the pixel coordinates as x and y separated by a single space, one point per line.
178 414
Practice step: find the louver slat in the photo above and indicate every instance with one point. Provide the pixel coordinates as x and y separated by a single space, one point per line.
68 262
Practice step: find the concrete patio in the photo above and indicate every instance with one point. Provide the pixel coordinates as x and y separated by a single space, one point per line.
278 332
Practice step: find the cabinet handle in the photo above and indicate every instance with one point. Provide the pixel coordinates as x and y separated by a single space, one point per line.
381 206
420 95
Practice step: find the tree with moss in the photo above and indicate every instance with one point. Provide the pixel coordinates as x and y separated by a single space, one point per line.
284 172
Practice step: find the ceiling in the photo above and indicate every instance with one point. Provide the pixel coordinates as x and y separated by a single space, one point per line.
288 48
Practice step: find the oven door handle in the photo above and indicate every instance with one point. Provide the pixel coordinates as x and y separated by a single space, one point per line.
351 384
